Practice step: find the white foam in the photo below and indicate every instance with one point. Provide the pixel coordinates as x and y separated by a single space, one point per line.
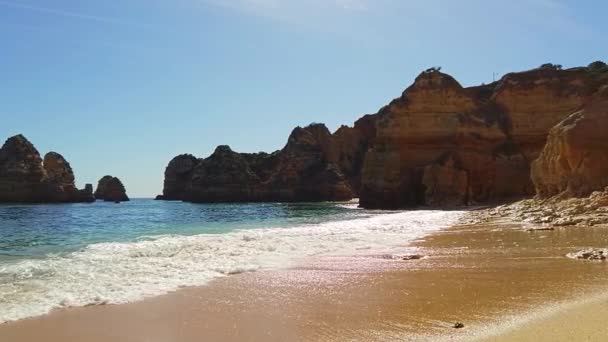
125 272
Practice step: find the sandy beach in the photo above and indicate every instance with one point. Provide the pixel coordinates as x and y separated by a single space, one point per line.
576 321
502 282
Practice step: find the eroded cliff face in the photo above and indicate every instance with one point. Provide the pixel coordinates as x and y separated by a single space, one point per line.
305 171
490 133
574 162
301 171
25 177
438 144
436 119
348 146
537 100
223 177
178 175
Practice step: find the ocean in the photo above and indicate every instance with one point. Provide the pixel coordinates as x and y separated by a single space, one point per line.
62 255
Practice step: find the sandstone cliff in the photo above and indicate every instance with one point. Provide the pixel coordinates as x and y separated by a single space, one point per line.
438 144
574 161
490 134
111 189
25 177
301 171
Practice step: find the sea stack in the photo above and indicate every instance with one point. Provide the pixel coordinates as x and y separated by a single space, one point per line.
25 177
111 189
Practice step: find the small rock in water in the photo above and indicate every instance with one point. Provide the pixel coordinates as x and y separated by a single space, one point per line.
590 254
534 229
458 325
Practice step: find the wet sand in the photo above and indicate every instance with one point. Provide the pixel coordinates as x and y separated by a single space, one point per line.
493 278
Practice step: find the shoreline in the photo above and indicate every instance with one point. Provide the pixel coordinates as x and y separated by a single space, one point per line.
361 297
123 272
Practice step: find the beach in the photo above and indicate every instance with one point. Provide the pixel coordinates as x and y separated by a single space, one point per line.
502 282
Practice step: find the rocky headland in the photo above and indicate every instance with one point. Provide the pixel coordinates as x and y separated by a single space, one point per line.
111 189
26 177
438 144
306 169
570 175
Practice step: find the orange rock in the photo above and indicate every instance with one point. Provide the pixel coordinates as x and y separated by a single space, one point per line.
494 131
574 161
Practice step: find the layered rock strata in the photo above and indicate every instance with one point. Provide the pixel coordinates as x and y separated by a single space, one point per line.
438 144
492 132
574 162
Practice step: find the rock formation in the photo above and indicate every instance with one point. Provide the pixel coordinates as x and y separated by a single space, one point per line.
537 214
574 161
445 183
438 144
25 177
111 189
178 175
62 181
493 132
301 171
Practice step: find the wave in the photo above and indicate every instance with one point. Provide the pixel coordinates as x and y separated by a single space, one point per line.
121 272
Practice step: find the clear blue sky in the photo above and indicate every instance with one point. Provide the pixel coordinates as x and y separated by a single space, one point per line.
121 86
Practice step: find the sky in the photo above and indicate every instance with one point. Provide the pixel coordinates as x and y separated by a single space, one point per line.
120 87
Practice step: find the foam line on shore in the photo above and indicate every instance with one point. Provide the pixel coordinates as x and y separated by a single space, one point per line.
121 272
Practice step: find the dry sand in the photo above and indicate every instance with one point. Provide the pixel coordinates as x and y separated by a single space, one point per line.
491 278
578 321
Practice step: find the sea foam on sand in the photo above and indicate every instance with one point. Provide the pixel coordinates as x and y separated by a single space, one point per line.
121 272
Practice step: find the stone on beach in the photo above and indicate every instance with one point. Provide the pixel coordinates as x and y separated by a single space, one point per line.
590 254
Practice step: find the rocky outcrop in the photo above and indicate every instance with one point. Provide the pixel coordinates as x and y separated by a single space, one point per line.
544 214
348 147
436 117
178 175
25 177
302 171
494 132
438 144
61 180
574 161
111 189
223 177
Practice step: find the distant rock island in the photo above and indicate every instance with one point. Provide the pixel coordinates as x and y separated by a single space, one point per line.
439 144
111 189
27 178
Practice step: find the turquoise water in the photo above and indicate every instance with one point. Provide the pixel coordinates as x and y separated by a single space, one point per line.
35 231
54 256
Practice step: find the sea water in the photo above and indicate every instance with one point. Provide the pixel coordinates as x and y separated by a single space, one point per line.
62 255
